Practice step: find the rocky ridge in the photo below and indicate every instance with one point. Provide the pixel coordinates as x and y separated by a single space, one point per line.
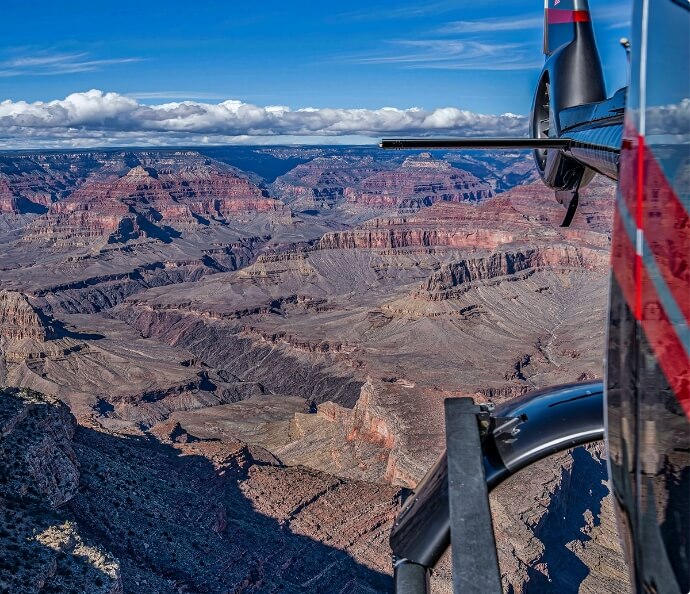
420 181
524 214
175 511
148 203
42 547
457 277
363 183
20 320
322 182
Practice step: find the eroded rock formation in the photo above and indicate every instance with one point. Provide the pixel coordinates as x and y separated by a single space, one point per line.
184 192
420 181
41 547
322 182
20 320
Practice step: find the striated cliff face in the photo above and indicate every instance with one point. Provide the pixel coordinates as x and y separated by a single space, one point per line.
323 182
453 278
420 181
151 203
41 548
9 202
20 320
366 424
371 421
524 214
442 225
386 238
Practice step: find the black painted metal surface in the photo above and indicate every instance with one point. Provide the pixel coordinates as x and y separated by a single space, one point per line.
473 143
475 563
411 578
513 436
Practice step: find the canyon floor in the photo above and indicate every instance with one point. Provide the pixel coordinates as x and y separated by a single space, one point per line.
225 369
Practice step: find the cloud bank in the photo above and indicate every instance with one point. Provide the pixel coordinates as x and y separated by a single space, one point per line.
96 118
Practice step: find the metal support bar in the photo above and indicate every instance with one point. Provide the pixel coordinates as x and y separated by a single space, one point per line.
475 563
474 143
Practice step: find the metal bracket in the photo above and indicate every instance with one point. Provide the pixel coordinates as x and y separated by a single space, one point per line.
573 198
506 429
572 205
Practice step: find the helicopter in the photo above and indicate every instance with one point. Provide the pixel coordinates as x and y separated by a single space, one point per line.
640 138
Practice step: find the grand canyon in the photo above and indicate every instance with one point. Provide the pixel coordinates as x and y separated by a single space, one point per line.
224 369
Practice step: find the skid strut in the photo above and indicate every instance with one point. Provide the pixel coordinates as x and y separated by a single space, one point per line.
484 446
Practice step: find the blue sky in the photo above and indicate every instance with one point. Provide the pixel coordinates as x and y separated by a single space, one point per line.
481 56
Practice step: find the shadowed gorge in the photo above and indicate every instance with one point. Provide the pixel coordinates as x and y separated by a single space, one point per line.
178 512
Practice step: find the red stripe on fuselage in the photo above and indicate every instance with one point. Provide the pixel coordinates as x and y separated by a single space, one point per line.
639 193
623 260
629 173
650 199
666 226
669 352
658 211
661 336
640 181
556 16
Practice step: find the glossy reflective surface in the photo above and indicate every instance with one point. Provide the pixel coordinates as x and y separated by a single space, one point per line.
552 420
648 360
543 423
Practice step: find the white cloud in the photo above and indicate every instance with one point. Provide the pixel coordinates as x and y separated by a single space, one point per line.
495 24
457 54
47 64
97 118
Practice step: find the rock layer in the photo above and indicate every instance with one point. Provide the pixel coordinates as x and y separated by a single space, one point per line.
420 181
150 203
42 549
20 320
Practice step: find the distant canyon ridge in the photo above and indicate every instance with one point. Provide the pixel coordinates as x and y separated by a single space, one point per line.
223 369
